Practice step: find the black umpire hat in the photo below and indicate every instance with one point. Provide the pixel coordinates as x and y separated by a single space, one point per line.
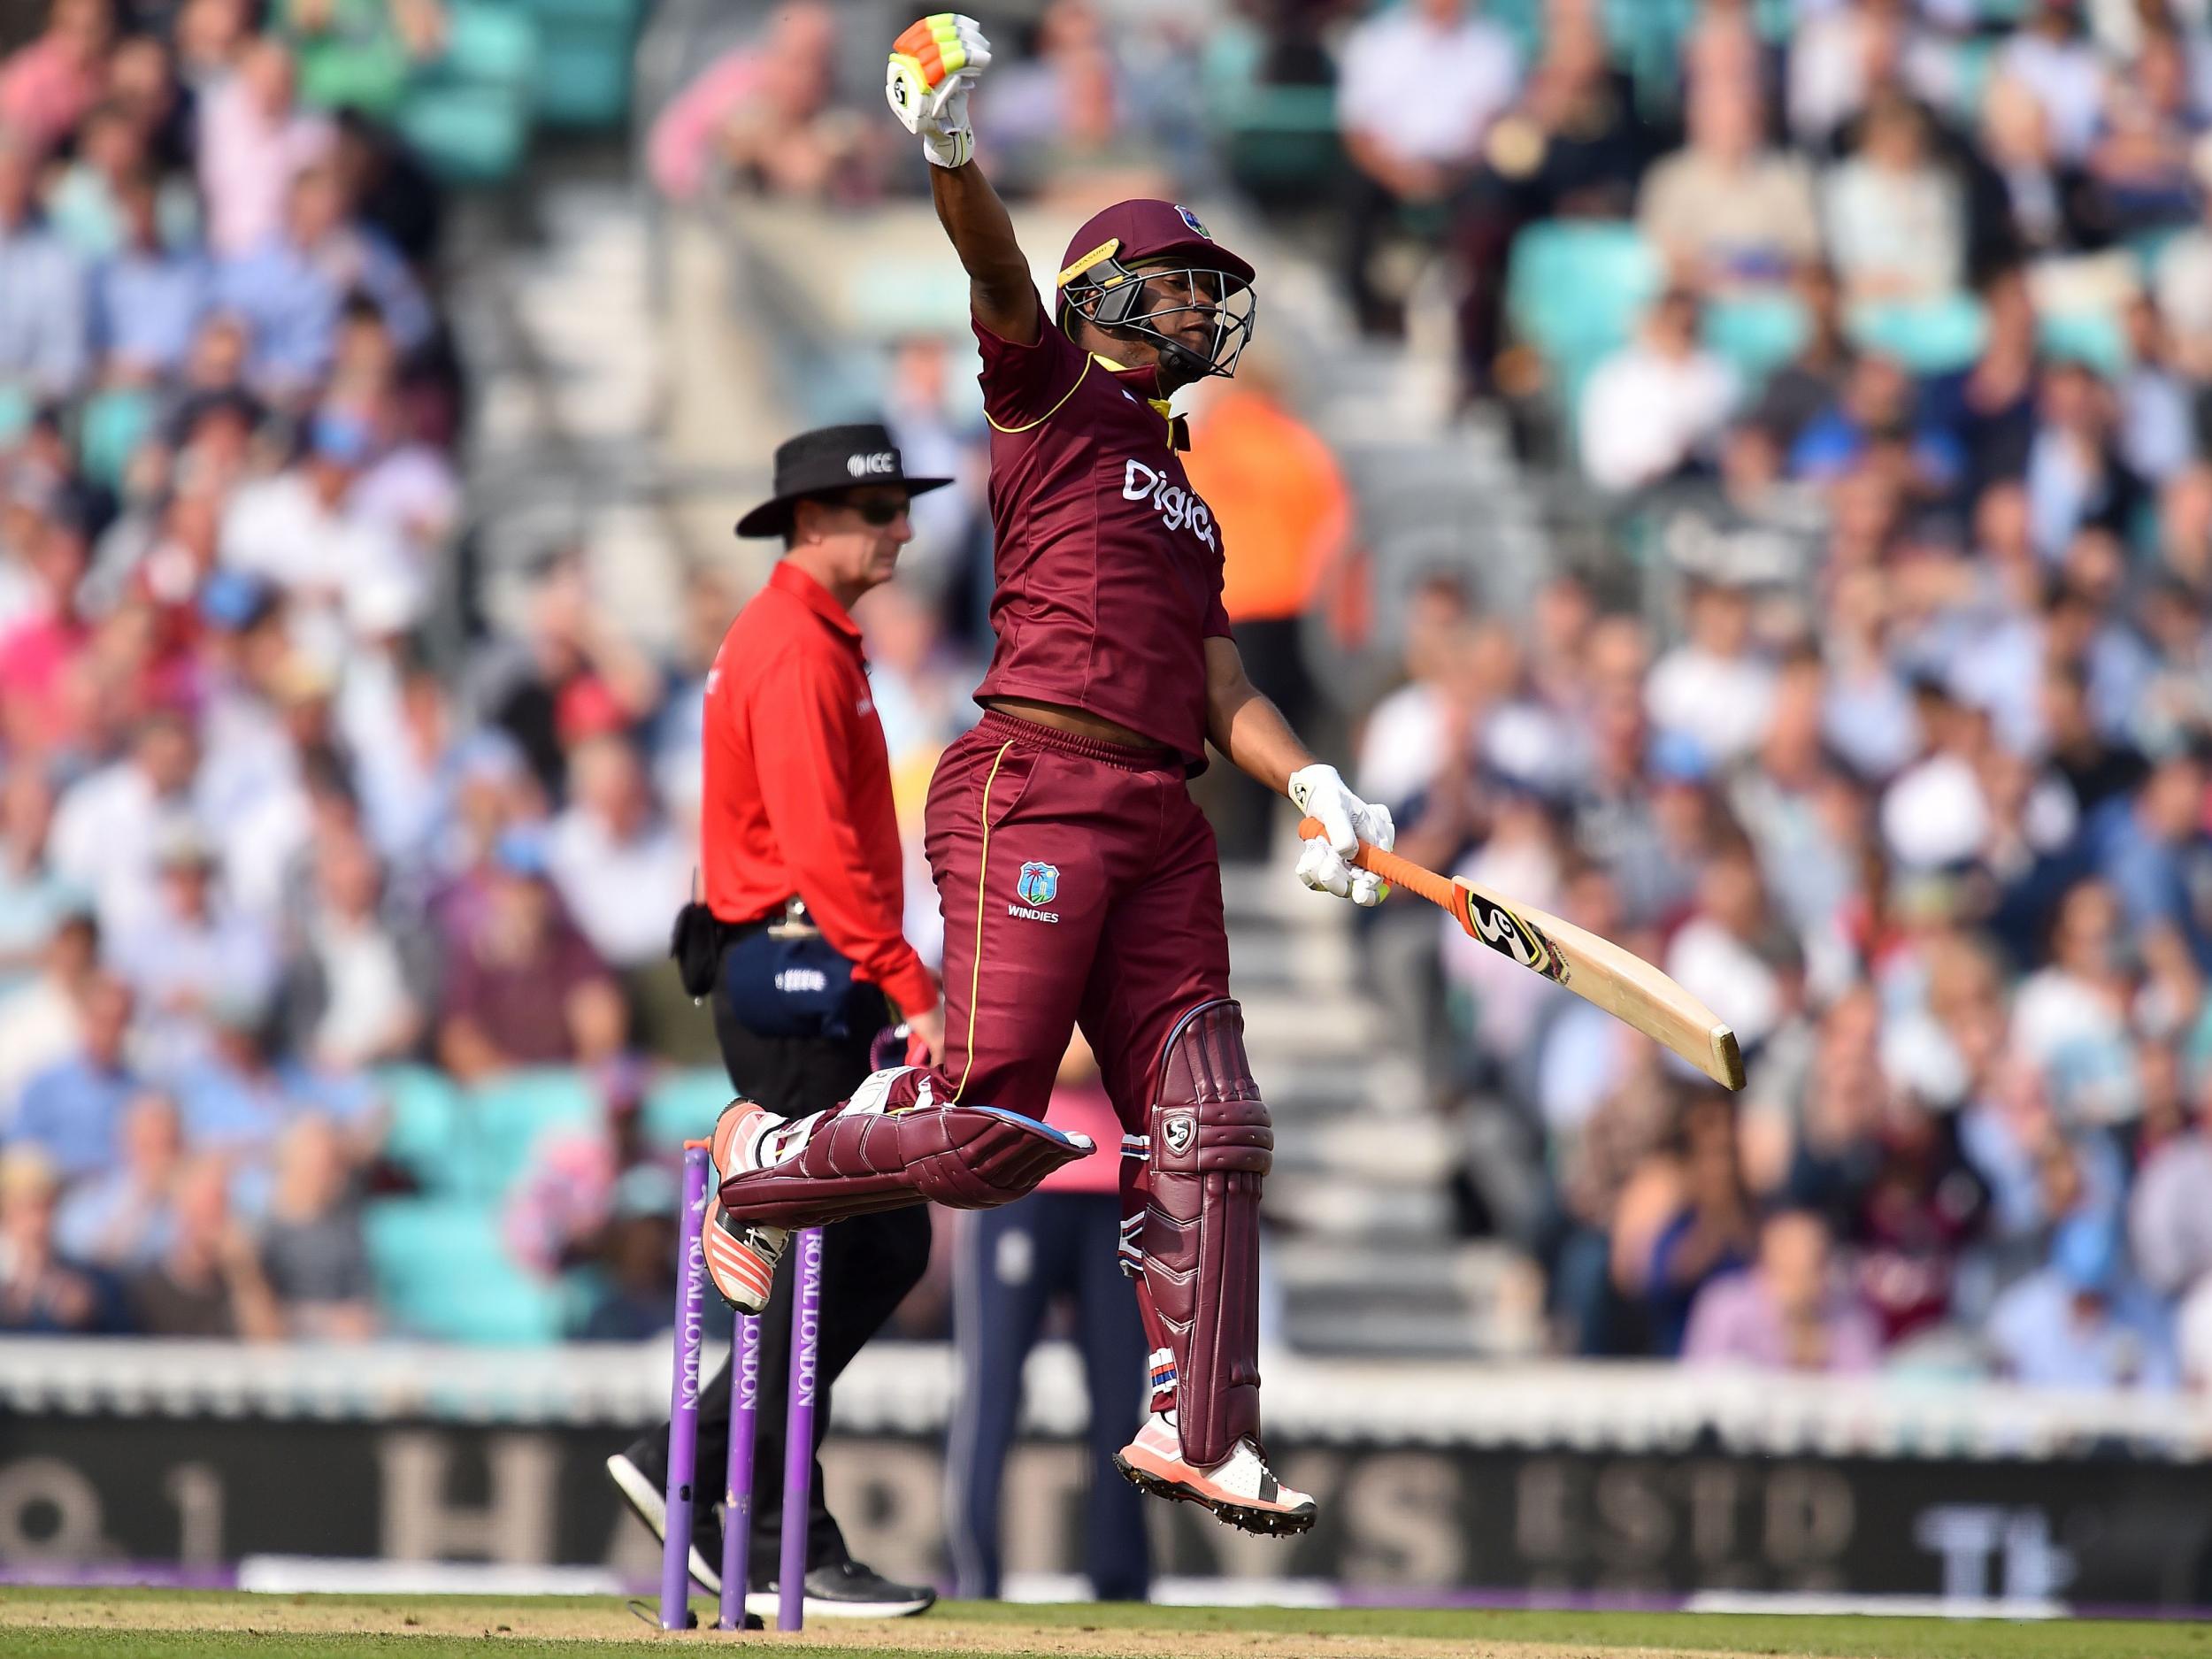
826 462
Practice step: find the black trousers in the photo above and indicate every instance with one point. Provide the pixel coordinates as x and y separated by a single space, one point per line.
869 1264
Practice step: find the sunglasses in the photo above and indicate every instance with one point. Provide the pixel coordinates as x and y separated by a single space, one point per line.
877 511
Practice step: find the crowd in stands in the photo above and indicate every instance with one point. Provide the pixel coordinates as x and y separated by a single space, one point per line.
1887 731
1890 734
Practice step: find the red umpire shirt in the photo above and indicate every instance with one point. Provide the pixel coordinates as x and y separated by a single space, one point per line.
798 784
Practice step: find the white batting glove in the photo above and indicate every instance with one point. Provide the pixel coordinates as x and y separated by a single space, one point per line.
932 66
1325 864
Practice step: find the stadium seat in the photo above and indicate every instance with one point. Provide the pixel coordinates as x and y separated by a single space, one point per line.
503 1122
468 115
1927 336
584 53
1756 333
441 1272
1277 141
109 431
424 1133
2094 337
683 1106
1575 291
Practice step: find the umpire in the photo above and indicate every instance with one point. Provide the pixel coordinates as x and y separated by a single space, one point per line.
798 941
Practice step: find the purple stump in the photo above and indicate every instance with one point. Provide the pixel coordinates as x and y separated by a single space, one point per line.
737 1493
683 1396
798 1439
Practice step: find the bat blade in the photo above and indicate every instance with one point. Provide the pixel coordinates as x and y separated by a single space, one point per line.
1601 972
1596 969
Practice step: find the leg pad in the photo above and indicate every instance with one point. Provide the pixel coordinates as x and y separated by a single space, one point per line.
1211 1143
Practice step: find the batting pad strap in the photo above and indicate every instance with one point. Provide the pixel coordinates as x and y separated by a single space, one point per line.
856 1164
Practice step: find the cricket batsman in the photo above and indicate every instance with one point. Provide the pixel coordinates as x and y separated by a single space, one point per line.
1079 882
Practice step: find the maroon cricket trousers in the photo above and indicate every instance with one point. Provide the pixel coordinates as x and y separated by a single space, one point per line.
1079 884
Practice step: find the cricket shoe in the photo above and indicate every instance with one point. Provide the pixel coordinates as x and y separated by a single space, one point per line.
1240 1489
741 1258
849 1590
649 1501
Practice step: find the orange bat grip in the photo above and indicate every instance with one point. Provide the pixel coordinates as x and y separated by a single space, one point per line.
1400 872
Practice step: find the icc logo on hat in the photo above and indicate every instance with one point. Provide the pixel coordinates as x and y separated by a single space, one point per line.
883 461
1038 883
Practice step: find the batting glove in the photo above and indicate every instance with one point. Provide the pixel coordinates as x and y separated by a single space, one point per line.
1325 863
932 66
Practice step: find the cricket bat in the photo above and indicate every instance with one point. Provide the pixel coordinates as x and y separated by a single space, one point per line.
1596 969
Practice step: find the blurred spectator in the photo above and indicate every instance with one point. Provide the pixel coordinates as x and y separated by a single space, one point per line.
295 531
313 1254
47 87
42 1292
241 1094
574 676
526 989
44 328
1725 210
1285 519
2083 1321
33 898
2051 57
1071 120
148 294
195 951
122 1218
2153 851
765 116
1731 953
1789 1312
110 825
1418 90
348 987
1809 381
1895 218
619 867
1716 691
209 1283
635 1287
70 1111
2169 1225
38 1018
1653 407
290 288
254 141
1684 1219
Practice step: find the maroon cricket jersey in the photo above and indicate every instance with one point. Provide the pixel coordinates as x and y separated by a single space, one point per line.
1109 564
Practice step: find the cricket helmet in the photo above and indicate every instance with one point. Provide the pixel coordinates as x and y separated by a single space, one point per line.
1113 257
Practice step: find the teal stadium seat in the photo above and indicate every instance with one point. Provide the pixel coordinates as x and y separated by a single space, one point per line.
585 51
503 1122
1575 291
1756 333
1928 336
109 429
1279 142
442 1274
683 1106
469 113
425 1137
2094 337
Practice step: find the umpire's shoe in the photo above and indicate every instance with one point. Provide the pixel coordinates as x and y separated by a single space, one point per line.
649 1501
850 1591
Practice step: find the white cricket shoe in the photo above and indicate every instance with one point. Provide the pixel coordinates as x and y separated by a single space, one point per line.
741 1258
1240 1489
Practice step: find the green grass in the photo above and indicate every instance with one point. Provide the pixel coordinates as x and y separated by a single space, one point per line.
457 1627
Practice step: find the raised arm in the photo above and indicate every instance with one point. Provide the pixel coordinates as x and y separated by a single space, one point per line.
933 65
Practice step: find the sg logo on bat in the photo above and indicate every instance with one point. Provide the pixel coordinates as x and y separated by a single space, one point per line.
1513 936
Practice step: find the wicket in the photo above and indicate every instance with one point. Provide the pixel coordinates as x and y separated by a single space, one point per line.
683 1427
